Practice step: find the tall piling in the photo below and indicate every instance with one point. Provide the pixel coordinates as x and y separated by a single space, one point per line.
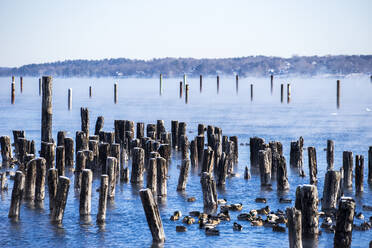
160 84
69 152
102 203
90 91
187 94
218 84
52 187
251 92
288 93
201 84
40 179
111 164
12 92
138 162
85 192
347 165
60 160
338 93
181 89
115 93
30 181
344 223
39 86
281 93
313 169
84 115
237 84
60 200
359 173
152 176
17 194
330 154
161 165
184 172
99 125
271 83
21 84
46 110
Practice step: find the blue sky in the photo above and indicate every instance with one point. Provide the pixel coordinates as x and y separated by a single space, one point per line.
49 30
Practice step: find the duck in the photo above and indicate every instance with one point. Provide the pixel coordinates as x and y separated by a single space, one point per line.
181 229
278 228
188 220
245 216
257 222
237 227
221 201
212 231
261 200
236 207
176 216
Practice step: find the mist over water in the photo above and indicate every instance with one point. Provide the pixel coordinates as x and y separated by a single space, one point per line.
312 113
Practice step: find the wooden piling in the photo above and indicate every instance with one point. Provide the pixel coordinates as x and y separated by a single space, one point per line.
218 84
69 152
184 172
313 169
251 92
152 215
330 190
296 153
3 181
140 133
174 130
161 176
86 192
152 176
21 84
84 115
181 89
294 227
99 125
102 203
281 93
307 203
271 83
39 86
6 150
60 160
111 165
256 144
115 93
344 223
40 179
30 181
330 154
359 173
181 131
237 84
52 187
69 99
48 152
209 191
12 93
138 162
80 166
194 153
288 93
282 178
222 170
187 94
200 147
264 162
60 200
61 135
347 165
208 160
184 146
17 194
82 141
201 84
46 110
338 93
90 91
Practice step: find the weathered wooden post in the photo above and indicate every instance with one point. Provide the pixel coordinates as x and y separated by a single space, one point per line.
313 169
138 163
152 176
184 172
6 150
86 192
180 89
344 223
184 80
40 179
160 84
174 130
187 94
264 162
200 147
90 91
152 215
12 92
99 125
218 84
69 152
48 152
21 84
271 83
60 200
307 203
184 146
282 178
111 164
201 84
181 131
194 153
359 173
281 93
347 165
39 86
80 166
223 169
17 193
161 165
237 84
294 227
69 99
102 203
338 93
52 187
61 135
46 111
208 160
84 115
60 160
30 182
370 165
209 191
115 93
3 181
256 144
330 189
330 154
288 93
296 153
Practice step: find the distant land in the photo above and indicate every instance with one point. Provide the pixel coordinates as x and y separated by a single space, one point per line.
340 65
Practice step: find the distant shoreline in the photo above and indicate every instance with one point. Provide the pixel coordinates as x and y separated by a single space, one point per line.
252 66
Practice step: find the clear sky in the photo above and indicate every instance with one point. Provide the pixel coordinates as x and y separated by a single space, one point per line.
35 31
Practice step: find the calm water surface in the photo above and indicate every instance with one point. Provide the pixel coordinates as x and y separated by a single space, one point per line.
312 113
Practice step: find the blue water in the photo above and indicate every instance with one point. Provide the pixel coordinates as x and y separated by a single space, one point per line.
312 113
